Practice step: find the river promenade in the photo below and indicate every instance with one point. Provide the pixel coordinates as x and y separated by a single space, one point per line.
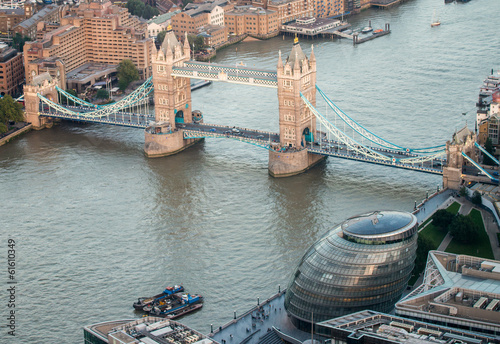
21 128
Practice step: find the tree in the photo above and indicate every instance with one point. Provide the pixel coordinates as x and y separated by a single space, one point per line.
160 37
150 12
464 229
136 7
463 191
67 100
10 110
18 41
488 146
423 248
476 198
442 219
127 72
197 42
102 94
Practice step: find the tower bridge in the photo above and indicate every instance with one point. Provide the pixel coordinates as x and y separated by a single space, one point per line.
306 136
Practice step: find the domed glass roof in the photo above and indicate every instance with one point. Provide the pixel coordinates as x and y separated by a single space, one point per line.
379 226
377 223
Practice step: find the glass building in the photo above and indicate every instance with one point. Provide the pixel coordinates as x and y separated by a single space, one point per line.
363 263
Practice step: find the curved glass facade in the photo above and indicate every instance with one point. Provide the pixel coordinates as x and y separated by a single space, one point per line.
363 263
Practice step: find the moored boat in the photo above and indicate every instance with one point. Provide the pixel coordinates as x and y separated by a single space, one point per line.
366 29
168 292
184 311
175 304
378 31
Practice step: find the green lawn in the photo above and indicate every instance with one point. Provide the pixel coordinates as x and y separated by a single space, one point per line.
483 246
434 234
425 222
454 208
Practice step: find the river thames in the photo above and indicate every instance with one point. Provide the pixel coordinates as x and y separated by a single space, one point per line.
97 224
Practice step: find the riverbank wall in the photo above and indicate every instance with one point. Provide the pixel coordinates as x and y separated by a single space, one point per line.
11 135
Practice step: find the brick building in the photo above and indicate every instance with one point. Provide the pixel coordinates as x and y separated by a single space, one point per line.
187 22
287 10
197 15
10 17
255 21
328 8
11 70
91 40
214 35
50 13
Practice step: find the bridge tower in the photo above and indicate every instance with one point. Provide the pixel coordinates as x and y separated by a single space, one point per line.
172 98
296 122
44 85
462 141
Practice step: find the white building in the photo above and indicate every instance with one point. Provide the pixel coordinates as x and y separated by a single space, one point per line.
160 23
216 16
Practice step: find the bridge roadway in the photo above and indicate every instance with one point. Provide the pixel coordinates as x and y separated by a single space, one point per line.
324 147
257 137
340 150
124 119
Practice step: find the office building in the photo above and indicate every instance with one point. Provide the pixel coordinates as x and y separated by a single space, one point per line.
363 263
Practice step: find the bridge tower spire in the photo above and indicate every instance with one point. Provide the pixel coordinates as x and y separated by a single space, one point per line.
297 123
172 97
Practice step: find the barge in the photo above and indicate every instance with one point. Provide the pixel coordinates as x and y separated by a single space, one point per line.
167 293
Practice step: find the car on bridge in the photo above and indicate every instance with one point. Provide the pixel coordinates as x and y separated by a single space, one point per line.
213 130
236 131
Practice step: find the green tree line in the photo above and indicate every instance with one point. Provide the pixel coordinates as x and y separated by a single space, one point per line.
140 9
10 111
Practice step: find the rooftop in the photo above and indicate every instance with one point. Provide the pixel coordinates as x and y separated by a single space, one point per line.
379 222
452 285
12 11
89 71
37 16
6 52
147 330
242 10
163 17
385 328
193 9
312 23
